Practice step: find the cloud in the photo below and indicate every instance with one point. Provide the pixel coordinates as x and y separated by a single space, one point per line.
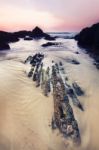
49 14
20 18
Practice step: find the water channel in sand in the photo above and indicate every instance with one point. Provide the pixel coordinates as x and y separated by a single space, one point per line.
25 114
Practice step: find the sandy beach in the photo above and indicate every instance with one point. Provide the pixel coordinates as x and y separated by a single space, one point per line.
26 114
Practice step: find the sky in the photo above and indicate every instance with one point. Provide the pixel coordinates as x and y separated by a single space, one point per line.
50 15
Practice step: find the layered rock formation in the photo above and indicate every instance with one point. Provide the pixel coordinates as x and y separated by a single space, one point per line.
51 80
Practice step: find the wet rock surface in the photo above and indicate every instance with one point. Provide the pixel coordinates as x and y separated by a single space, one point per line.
63 112
78 89
72 61
51 80
51 44
75 62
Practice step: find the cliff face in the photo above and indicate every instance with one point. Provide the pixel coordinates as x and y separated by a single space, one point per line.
89 38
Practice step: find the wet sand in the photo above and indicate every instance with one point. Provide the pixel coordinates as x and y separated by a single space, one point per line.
25 114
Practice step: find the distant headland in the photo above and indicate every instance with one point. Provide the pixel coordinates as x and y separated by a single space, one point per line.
36 33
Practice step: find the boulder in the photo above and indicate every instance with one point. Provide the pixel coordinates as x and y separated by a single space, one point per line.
51 44
75 62
77 52
72 61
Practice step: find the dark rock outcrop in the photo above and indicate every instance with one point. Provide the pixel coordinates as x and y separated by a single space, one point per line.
4 46
72 61
49 38
75 62
89 38
38 33
77 89
6 37
51 44
77 52
35 60
22 34
51 79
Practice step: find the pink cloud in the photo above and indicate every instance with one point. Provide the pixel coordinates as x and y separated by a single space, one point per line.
52 15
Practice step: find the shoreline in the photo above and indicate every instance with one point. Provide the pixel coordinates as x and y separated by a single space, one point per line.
26 110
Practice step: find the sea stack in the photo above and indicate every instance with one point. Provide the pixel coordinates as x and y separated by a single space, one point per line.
37 33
